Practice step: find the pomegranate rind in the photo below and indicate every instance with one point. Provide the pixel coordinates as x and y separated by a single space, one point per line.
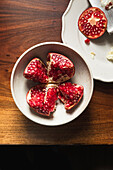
36 71
60 68
81 25
70 94
42 99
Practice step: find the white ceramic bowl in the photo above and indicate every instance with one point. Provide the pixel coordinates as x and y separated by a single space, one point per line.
20 85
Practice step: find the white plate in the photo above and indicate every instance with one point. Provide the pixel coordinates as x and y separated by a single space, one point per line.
102 68
20 85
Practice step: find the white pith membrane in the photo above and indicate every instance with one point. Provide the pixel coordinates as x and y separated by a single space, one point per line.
93 20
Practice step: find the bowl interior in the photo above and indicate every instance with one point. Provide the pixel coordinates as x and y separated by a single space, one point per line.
20 86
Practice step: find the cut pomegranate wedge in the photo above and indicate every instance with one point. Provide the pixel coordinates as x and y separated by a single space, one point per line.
36 71
70 94
42 98
92 22
60 68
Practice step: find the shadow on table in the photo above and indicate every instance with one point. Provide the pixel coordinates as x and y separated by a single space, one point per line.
79 130
59 134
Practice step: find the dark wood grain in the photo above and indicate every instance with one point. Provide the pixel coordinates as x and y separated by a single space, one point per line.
24 23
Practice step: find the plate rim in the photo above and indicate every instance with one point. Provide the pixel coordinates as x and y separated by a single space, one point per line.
63 16
13 72
63 40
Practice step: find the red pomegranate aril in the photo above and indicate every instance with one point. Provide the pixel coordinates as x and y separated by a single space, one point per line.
87 41
90 11
70 94
82 19
92 17
100 24
98 14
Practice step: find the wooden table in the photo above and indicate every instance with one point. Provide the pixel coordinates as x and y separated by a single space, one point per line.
24 23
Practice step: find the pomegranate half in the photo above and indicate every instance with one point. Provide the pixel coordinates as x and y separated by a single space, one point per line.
70 94
92 22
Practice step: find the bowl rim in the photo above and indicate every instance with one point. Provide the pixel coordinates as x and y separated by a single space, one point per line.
38 45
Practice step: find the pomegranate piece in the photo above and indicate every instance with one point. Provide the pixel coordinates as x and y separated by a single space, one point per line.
109 6
60 68
42 98
36 71
92 22
70 94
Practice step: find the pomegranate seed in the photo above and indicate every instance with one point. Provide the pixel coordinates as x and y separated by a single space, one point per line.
85 21
87 41
90 11
82 18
